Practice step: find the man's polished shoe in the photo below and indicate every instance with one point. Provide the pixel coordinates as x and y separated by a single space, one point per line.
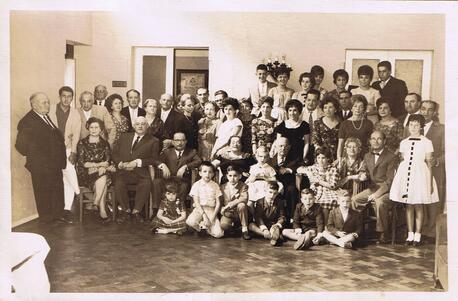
64 220
275 236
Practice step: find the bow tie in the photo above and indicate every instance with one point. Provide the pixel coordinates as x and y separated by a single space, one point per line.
303 94
415 139
376 154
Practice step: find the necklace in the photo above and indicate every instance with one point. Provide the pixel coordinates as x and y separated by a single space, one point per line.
360 126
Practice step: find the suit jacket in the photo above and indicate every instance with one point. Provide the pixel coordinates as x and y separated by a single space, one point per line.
436 134
254 96
290 162
126 113
43 147
101 113
241 195
147 150
72 127
395 92
174 122
339 113
269 215
189 158
353 224
308 219
381 173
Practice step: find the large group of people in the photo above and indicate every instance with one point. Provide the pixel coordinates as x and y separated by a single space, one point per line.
302 165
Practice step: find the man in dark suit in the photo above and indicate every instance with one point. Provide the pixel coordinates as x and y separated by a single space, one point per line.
100 95
132 156
180 160
345 104
132 111
391 88
380 164
173 120
286 166
202 97
412 104
434 131
40 140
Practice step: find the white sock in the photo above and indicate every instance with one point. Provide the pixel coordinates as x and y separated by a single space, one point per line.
244 229
410 236
417 237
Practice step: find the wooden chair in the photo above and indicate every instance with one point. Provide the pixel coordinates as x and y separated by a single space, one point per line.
86 196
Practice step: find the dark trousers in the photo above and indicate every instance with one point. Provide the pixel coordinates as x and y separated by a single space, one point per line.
158 189
48 189
142 189
291 194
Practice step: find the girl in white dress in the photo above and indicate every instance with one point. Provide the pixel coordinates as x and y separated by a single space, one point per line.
365 75
231 127
413 183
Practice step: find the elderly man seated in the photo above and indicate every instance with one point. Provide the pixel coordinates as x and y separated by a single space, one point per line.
132 156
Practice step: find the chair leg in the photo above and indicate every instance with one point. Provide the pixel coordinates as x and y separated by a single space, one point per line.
394 224
114 204
80 197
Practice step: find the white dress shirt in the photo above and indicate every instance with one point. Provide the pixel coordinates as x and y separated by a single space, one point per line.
87 114
262 88
344 212
133 114
427 127
165 114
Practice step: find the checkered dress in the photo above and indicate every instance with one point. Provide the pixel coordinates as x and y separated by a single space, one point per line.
171 210
326 197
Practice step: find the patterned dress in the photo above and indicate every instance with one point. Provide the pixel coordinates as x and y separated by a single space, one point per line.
90 152
280 99
171 210
323 136
156 129
393 133
120 126
207 136
262 132
326 197
361 129
358 167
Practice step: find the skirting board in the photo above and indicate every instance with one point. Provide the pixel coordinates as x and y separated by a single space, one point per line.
24 220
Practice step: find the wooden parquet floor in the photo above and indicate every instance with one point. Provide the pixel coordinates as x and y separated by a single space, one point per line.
93 257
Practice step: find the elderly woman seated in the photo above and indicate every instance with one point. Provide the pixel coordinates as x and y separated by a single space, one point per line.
351 167
94 164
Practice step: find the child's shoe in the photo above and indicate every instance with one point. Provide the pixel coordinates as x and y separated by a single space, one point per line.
275 236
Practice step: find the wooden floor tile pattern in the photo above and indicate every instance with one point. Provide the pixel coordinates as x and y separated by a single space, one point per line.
125 258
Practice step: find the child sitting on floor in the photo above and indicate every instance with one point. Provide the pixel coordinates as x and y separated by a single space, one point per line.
269 215
207 196
308 222
171 215
344 224
235 198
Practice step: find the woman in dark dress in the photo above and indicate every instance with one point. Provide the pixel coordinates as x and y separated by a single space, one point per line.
191 119
156 126
326 129
93 164
296 130
233 155
246 117
356 126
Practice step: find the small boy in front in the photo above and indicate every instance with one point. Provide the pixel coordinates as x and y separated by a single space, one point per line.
207 196
269 215
344 224
308 222
235 198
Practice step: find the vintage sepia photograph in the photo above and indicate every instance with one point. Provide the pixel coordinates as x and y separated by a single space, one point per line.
165 148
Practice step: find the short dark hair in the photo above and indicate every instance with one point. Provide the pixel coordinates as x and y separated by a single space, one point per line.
366 70
308 191
222 92
208 164
171 186
66 89
294 103
229 101
91 120
417 117
234 168
417 96
110 99
132 90
381 101
331 100
261 67
309 75
314 92
282 70
317 70
179 132
267 99
359 98
340 72
346 91
247 102
232 137
273 185
384 64
325 151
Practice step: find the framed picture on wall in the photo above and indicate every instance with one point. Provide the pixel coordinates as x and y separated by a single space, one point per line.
188 81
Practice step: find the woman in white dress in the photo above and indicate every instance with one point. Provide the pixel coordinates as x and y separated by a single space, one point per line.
231 127
413 183
281 93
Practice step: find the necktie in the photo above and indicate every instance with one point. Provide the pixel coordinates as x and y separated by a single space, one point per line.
49 122
311 122
99 102
281 161
135 143
179 155
345 114
382 84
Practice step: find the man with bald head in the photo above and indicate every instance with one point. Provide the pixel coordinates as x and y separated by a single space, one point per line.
100 95
173 120
132 155
43 145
